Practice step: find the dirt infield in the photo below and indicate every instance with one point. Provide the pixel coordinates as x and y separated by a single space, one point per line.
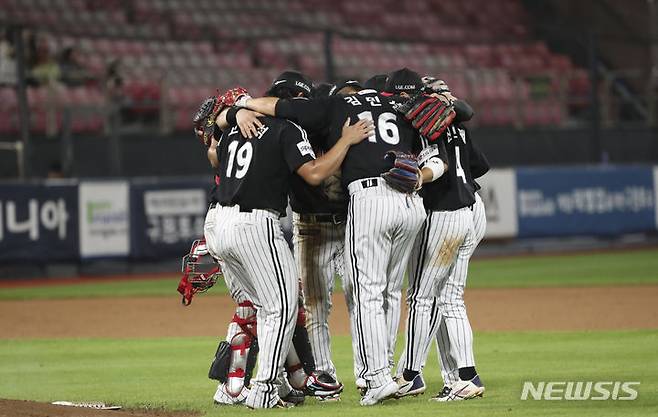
595 308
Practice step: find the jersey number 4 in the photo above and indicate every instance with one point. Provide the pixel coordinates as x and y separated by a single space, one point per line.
386 128
239 157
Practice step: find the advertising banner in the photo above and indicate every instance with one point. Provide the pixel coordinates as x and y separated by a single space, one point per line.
38 222
104 219
499 196
585 201
167 217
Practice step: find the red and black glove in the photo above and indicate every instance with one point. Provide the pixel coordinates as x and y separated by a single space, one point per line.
429 114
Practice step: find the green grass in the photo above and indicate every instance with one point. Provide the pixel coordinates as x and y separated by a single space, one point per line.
610 268
90 289
605 268
171 373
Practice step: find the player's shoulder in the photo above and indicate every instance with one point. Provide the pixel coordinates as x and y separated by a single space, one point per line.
293 128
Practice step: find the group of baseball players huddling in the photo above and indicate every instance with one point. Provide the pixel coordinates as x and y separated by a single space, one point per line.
381 180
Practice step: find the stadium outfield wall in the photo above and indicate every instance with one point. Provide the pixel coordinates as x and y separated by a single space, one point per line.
157 218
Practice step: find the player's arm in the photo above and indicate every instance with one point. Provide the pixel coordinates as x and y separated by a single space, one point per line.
310 114
433 161
212 153
317 170
463 111
479 164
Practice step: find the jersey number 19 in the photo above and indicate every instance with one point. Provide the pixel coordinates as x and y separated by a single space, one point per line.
241 157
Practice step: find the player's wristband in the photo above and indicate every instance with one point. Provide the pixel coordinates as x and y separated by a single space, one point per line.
232 116
437 167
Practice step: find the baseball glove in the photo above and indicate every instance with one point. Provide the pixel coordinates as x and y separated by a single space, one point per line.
204 119
404 174
235 97
429 114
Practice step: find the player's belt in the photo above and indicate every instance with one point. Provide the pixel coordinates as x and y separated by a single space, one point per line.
364 183
250 210
369 182
323 218
212 205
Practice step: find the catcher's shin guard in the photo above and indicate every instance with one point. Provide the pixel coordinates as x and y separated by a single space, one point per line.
243 350
301 342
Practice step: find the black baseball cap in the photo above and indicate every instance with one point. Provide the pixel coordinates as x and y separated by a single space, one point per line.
376 82
345 83
293 80
403 81
322 90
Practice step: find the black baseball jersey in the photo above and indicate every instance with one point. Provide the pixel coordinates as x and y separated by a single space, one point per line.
255 173
326 116
455 188
326 198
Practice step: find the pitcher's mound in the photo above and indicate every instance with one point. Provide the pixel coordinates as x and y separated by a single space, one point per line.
19 408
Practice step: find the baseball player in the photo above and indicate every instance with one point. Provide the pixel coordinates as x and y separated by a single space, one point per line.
381 224
247 236
455 387
377 82
235 358
437 277
319 214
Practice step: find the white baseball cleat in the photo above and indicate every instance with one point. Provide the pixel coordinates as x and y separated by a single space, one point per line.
414 387
379 394
462 390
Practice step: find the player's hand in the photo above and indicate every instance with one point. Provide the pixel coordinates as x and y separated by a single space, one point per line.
435 85
248 123
446 98
357 132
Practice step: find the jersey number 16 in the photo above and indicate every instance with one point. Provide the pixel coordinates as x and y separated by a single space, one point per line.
386 128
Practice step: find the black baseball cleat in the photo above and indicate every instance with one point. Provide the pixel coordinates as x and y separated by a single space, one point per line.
443 394
295 397
322 385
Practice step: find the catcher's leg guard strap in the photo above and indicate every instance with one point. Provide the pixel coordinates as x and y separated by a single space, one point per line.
245 317
302 345
251 361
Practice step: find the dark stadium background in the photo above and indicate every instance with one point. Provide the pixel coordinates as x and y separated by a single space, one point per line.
105 90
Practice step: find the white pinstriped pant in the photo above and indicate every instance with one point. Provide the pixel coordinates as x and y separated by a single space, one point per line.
454 336
447 318
434 253
319 250
257 257
381 226
237 293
